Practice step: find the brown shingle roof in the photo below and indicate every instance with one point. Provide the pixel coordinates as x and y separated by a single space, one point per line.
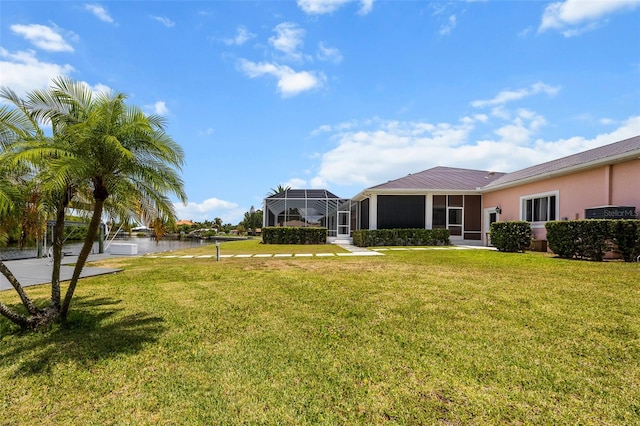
442 178
593 157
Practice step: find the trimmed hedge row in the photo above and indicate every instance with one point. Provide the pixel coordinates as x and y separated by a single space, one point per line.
400 237
291 235
593 238
513 236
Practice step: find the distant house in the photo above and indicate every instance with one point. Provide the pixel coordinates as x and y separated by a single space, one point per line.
184 222
466 201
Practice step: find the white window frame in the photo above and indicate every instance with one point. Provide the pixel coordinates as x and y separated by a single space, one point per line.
540 223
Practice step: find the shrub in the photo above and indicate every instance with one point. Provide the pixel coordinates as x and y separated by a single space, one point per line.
400 237
291 235
626 235
593 238
514 236
562 238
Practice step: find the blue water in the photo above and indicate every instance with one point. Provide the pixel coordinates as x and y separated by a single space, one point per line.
145 245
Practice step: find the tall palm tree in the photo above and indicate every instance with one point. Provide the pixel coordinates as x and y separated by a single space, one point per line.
119 151
27 146
16 194
115 152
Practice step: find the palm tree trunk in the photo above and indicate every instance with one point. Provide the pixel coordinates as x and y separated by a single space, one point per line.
16 318
58 232
82 258
28 304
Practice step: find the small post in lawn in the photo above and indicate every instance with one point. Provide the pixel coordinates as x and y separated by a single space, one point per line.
217 251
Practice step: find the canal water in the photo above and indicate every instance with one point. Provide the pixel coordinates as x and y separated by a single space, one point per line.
145 245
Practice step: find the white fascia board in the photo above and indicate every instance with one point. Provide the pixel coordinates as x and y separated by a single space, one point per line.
409 191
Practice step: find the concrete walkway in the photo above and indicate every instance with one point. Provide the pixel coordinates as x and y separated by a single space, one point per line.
345 244
38 271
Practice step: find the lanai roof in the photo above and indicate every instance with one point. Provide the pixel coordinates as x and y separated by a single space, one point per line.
442 178
301 194
607 154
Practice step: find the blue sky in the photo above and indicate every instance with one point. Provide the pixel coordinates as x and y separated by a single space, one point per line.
341 94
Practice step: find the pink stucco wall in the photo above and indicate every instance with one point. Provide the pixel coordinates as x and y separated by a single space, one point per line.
617 184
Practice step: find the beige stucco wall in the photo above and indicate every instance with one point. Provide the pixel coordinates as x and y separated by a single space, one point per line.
617 184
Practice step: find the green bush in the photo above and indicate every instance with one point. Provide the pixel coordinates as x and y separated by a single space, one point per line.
514 236
593 238
291 235
400 237
626 235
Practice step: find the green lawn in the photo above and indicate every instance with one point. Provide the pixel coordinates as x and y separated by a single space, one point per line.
412 337
254 246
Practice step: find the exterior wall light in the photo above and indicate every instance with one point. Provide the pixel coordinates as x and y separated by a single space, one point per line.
498 209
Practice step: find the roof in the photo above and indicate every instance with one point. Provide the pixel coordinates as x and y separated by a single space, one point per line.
301 194
442 178
455 179
608 154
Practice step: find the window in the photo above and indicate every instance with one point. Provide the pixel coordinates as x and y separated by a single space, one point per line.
540 207
439 215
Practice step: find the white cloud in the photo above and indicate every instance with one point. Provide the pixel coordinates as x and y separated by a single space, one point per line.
521 129
513 95
99 12
209 209
363 157
366 6
242 36
164 21
23 72
43 37
574 17
290 82
392 149
99 88
288 39
328 53
296 183
448 26
320 7
160 108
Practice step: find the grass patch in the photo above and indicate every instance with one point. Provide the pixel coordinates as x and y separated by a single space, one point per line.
412 337
255 246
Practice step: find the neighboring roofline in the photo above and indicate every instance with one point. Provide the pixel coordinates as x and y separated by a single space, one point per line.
412 191
614 159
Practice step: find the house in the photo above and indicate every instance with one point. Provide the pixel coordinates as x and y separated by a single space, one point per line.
466 201
568 187
438 198
184 222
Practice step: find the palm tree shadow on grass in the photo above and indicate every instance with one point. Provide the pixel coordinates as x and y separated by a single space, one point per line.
92 333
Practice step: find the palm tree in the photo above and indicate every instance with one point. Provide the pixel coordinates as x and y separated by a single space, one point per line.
17 195
102 147
10 196
26 146
119 151
278 190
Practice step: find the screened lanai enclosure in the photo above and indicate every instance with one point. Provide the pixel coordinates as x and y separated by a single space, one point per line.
311 208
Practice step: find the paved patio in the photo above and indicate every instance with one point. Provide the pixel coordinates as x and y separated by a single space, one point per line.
38 271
